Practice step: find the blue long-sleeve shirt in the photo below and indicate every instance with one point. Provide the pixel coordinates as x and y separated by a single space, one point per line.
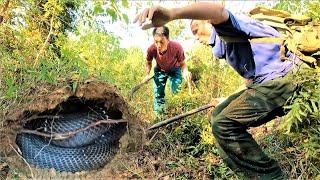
252 60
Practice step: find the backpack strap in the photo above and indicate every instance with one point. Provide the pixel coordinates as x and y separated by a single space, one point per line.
279 40
270 12
283 46
229 39
297 20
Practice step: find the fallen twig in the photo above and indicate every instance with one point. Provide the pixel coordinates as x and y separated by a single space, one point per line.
47 143
153 136
61 136
31 172
42 117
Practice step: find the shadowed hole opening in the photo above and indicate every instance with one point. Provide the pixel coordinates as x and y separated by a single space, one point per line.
91 141
75 106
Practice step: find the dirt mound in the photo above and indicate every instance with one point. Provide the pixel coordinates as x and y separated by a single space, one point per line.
53 98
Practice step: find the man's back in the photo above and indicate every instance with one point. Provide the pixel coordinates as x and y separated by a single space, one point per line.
259 61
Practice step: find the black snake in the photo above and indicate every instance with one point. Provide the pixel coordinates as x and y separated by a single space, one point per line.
86 150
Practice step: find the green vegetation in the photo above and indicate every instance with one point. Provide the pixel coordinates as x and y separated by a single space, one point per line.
302 122
57 41
307 7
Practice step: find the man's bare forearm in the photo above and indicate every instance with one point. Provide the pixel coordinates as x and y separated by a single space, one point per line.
184 66
148 67
214 12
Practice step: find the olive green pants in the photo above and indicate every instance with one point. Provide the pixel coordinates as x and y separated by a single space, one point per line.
252 107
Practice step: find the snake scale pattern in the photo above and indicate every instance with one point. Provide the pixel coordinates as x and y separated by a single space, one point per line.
86 150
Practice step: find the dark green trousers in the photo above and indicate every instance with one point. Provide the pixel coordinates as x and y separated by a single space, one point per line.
250 108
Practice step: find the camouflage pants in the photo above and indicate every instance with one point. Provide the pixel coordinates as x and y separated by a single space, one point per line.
250 108
160 80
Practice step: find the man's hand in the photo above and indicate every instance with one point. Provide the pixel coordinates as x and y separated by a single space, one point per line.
156 16
187 76
146 78
217 101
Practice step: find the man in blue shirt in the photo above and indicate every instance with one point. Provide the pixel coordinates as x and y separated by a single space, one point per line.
268 88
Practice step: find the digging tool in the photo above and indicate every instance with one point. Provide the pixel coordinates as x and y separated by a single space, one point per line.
135 88
179 117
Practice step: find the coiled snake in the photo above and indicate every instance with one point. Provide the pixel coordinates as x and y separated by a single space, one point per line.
86 150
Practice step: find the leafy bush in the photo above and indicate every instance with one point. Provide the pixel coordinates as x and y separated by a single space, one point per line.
303 118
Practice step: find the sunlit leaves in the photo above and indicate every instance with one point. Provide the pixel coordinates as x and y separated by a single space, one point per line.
125 3
95 51
125 18
176 28
111 8
313 10
52 7
306 7
98 6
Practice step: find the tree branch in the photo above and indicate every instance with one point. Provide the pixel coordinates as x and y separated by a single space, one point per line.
42 117
61 136
20 155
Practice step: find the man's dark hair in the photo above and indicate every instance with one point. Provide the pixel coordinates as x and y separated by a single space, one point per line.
163 30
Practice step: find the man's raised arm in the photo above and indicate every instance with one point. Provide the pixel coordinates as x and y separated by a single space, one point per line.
159 16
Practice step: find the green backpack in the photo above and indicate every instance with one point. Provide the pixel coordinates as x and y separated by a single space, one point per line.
300 34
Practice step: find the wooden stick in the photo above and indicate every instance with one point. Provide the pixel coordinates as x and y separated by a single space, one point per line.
178 117
42 117
60 136
135 88
24 160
